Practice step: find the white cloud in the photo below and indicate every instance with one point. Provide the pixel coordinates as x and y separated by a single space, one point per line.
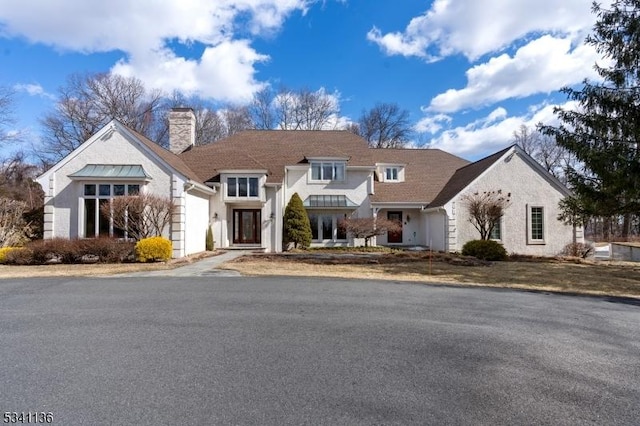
493 132
474 28
432 123
142 30
33 90
541 66
224 72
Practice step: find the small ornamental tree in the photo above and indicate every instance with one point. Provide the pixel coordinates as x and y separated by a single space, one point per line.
485 210
141 216
297 229
369 227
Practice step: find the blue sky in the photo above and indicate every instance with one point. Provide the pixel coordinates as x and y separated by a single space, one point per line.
469 72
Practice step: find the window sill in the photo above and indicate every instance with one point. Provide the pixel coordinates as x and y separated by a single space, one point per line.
324 182
242 198
536 243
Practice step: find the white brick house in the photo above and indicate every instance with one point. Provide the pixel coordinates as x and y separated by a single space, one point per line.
240 186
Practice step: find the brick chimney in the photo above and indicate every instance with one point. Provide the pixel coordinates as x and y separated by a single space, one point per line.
182 129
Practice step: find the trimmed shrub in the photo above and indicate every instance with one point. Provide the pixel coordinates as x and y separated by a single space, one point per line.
297 229
19 256
60 250
108 250
578 250
209 239
485 250
153 249
57 250
3 253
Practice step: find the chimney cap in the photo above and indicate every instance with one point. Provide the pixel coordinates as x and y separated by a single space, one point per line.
182 109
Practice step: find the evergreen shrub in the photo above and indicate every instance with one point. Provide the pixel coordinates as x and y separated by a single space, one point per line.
209 243
485 250
297 229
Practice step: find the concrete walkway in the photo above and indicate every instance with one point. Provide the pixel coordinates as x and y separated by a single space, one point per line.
204 267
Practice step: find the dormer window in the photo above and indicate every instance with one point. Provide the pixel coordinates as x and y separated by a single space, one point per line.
391 174
327 170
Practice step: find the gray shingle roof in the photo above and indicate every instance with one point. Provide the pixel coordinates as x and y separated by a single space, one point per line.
426 173
272 150
464 176
432 176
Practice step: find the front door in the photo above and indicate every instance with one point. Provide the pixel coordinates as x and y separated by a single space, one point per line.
395 237
246 226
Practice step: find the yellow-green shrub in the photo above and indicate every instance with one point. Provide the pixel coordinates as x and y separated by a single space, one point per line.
3 253
153 249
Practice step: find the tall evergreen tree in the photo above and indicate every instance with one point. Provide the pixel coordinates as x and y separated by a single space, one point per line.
604 130
297 229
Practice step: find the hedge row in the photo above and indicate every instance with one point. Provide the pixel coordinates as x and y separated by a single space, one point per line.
59 250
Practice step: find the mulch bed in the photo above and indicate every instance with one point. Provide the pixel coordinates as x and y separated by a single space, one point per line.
355 258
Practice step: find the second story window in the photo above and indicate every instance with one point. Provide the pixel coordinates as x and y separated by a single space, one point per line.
391 174
242 187
327 170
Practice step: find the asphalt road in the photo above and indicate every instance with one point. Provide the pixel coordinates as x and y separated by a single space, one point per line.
220 350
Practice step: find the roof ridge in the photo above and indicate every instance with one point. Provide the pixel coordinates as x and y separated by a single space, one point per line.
497 154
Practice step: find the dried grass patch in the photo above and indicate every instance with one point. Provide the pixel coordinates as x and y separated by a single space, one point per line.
560 275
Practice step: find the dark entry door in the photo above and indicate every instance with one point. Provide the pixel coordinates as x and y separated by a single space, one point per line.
246 226
395 237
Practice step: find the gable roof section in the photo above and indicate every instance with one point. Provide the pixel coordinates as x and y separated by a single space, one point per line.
171 159
273 150
464 176
426 173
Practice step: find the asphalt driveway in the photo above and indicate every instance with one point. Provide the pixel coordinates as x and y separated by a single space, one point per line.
233 350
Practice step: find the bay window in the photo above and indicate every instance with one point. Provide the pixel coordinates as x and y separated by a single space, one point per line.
95 197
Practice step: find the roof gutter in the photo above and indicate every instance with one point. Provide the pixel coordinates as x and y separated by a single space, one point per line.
190 185
434 210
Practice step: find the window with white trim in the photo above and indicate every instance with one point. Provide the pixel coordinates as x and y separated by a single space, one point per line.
96 223
496 232
326 227
327 170
391 174
536 225
242 187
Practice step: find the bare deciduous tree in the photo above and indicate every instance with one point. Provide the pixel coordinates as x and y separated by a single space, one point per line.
236 119
261 109
485 210
211 124
385 126
140 216
369 227
17 181
14 231
7 117
545 151
90 101
294 110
